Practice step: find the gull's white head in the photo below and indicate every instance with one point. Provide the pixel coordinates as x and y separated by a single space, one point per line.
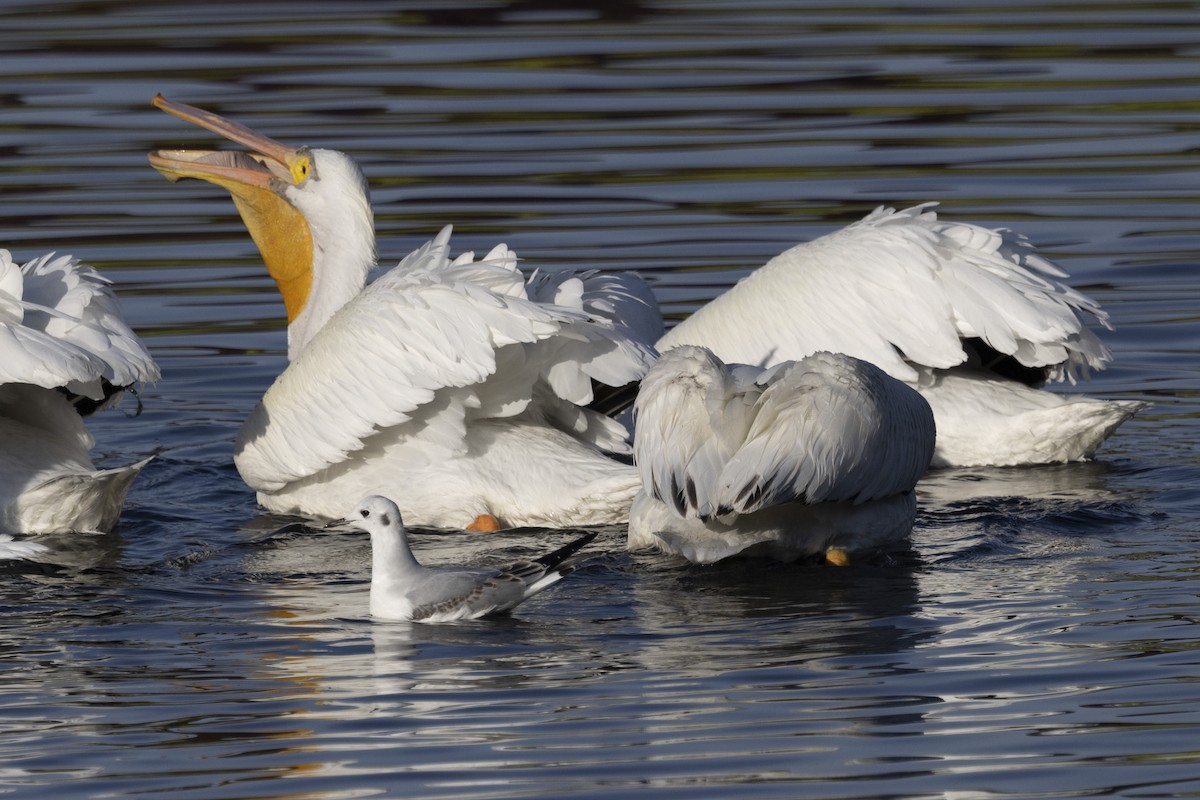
375 514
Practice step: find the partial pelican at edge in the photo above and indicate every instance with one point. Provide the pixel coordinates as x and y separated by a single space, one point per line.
65 351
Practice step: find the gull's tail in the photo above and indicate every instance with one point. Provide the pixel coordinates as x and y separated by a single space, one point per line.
550 568
552 560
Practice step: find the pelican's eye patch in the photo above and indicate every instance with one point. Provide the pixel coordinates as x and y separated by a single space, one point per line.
302 169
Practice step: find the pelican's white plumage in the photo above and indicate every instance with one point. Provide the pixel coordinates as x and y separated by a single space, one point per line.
446 382
622 298
936 304
65 350
443 379
796 460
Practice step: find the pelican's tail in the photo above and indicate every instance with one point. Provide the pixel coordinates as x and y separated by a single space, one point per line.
1013 424
83 502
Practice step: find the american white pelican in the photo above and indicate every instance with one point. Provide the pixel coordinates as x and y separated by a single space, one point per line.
65 350
815 457
446 383
972 318
402 589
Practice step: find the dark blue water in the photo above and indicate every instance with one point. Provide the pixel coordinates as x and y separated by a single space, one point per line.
1038 641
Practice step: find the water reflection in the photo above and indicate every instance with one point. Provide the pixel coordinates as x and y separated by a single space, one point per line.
695 618
515 692
1082 484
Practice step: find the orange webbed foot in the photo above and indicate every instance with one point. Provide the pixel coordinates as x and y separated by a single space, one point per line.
837 556
484 523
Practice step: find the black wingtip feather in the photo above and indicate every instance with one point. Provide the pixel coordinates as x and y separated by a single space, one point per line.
612 400
552 560
86 406
692 494
677 498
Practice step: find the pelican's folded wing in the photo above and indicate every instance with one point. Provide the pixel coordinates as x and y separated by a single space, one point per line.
829 427
692 416
605 331
61 326
428 347
825 428
902 289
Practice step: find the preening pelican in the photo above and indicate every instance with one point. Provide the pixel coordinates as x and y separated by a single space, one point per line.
816 457
972 318
65 351
448 384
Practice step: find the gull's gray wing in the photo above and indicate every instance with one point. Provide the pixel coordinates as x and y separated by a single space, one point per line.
467 594
447 594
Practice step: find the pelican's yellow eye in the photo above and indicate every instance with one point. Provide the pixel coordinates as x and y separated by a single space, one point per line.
301 169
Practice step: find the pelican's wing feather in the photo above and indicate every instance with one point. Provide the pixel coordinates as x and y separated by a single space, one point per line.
902 289
604 332
61 326
687 429
829 427
622 298
616 347
604 335
427 347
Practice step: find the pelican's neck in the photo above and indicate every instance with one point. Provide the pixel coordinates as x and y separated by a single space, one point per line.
338 277
343 243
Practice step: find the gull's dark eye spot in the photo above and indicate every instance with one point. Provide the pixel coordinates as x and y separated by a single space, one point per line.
365 513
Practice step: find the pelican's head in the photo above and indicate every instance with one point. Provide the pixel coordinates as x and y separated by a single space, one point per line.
305 208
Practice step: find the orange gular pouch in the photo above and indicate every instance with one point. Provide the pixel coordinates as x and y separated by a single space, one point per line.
283 240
